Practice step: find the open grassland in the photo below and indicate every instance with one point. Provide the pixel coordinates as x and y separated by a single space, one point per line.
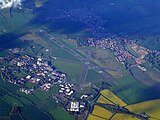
93 76
5 108
149 78
68 41
56 50
55 111
154 74
145 77
60 114
72 43
102 99
41 95
151 108
123 117
101 112
92 117
12 101
73 70
32 113
106 60
112 97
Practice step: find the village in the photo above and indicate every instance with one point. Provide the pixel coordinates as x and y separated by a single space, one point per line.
117 45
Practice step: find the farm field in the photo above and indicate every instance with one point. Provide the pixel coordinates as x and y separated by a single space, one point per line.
123 117
151 108
92 117
101 112
133 91
103 100
112 97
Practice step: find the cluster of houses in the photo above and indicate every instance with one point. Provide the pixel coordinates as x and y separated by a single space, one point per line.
117 45
15 50
26 91
67 89
114 44
34 70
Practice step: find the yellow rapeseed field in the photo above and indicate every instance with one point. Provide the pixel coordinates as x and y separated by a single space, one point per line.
92 117
152 108
103 100
123 117
111 96
102 112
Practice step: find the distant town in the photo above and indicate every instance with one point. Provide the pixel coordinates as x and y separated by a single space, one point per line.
117 45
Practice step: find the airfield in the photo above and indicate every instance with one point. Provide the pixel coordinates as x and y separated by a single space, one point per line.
94 71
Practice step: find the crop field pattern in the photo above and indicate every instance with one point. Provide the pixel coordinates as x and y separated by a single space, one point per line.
112 97
151 108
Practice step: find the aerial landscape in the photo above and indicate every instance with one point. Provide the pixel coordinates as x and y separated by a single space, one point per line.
79 60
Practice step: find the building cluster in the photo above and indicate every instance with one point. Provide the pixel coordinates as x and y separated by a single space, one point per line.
114 44
67 89
26 91
66 97
15 50
26 69
117 45
37 73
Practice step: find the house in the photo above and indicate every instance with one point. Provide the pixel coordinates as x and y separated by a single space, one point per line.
28 77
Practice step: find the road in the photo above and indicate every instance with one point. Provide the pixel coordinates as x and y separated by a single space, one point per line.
83 76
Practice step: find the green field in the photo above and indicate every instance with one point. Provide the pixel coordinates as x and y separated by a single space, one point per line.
148 78
18 23
12 101
56 50
5 108
106 60
3 53
33 106
73 70
93 76
132 91
56 112
32 113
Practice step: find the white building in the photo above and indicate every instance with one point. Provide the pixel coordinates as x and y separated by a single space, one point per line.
74 107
